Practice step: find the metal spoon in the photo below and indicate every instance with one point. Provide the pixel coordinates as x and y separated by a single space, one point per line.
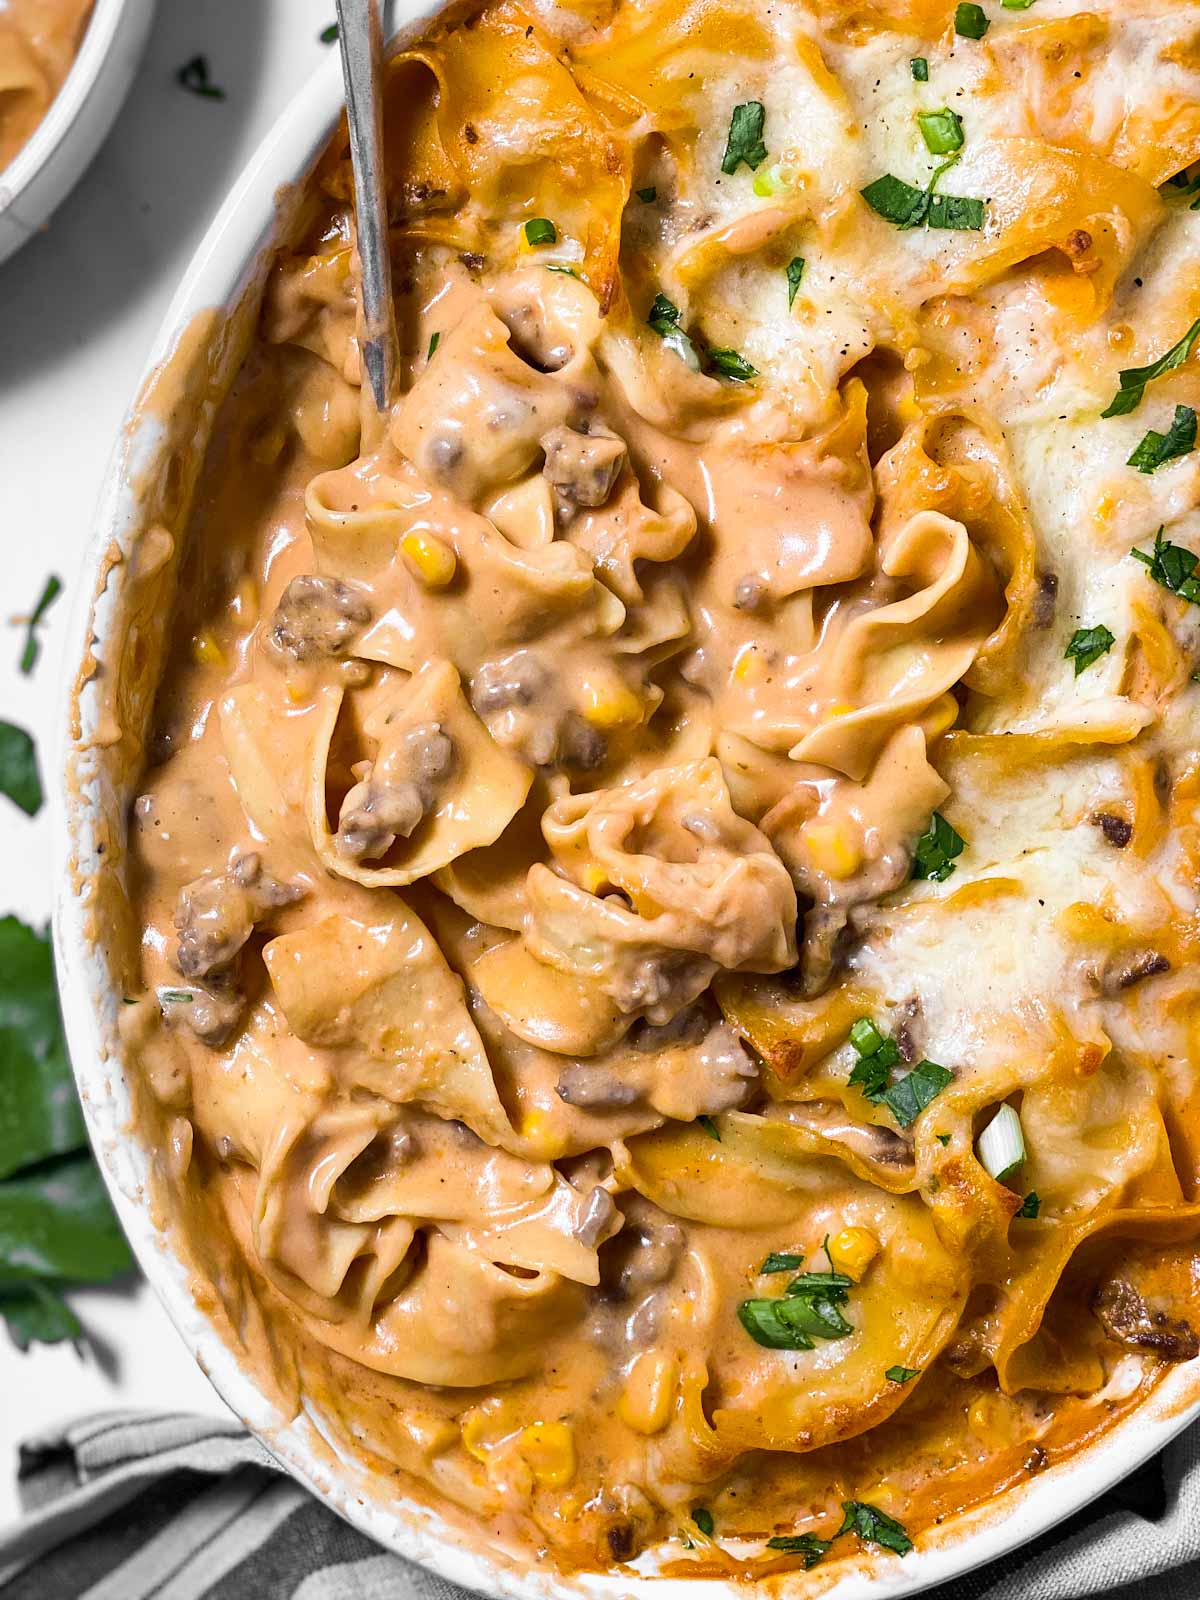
360 35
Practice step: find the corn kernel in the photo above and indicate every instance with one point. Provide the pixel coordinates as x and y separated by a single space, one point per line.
431 558
548 1449
245 601
853 1250
749 665
611 705
649 1394
206 651
832 849
538 1127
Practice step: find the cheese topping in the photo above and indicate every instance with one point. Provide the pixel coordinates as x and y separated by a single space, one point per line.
668 869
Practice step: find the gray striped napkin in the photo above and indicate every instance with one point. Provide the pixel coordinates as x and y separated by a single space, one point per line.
128 1506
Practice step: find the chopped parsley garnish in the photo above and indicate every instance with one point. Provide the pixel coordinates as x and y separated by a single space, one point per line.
936 851
1131 383
795 271
329 33
902 1374
18 769
176 997
806 1545
540 230
941 131
1173 567
663 316
647 196
898 202
710 1128
782 1261
1156 449
729 364
868 1522
1031 1205
877 1055
703 1518
919 67
434 340
1088 645
559 266
32 647
969 21
909 1095
193 76
745 141
808 1309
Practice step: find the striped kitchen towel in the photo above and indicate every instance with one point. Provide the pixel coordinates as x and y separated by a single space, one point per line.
129 1506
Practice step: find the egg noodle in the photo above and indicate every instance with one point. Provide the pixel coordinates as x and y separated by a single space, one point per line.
668 865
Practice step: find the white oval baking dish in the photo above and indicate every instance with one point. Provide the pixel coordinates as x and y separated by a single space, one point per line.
46 169
115 640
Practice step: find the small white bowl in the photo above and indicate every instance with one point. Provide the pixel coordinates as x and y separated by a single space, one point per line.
117 636
47 167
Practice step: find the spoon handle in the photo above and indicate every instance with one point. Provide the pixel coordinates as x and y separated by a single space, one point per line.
360 35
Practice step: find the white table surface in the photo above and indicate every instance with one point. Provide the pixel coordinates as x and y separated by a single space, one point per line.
79 307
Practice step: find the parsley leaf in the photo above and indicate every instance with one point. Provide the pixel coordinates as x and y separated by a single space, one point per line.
729 364
710 1128
56 1223
540 230
663 315
795 271
1031 1205
782 1261
32 648
941 131
18 769
919 67
1088 645
35 1312
434 340
902 1374
970 21
193 76
808 1309
647 196
1131 383
909 1096
806 1545
1156 449
39 1111
703 1518
745 140
936 851
1173 567
898 202
874 1526
329 33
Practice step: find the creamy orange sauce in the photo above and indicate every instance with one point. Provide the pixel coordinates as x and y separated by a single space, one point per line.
536 785
39 39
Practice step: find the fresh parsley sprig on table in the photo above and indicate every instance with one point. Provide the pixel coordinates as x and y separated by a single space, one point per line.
33 644
56 1225
18 769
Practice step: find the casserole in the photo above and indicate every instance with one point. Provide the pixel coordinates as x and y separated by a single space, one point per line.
113 695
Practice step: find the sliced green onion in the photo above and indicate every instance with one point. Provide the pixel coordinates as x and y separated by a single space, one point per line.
941 131
177 997
540 230
1002 1145
970 20
919 67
